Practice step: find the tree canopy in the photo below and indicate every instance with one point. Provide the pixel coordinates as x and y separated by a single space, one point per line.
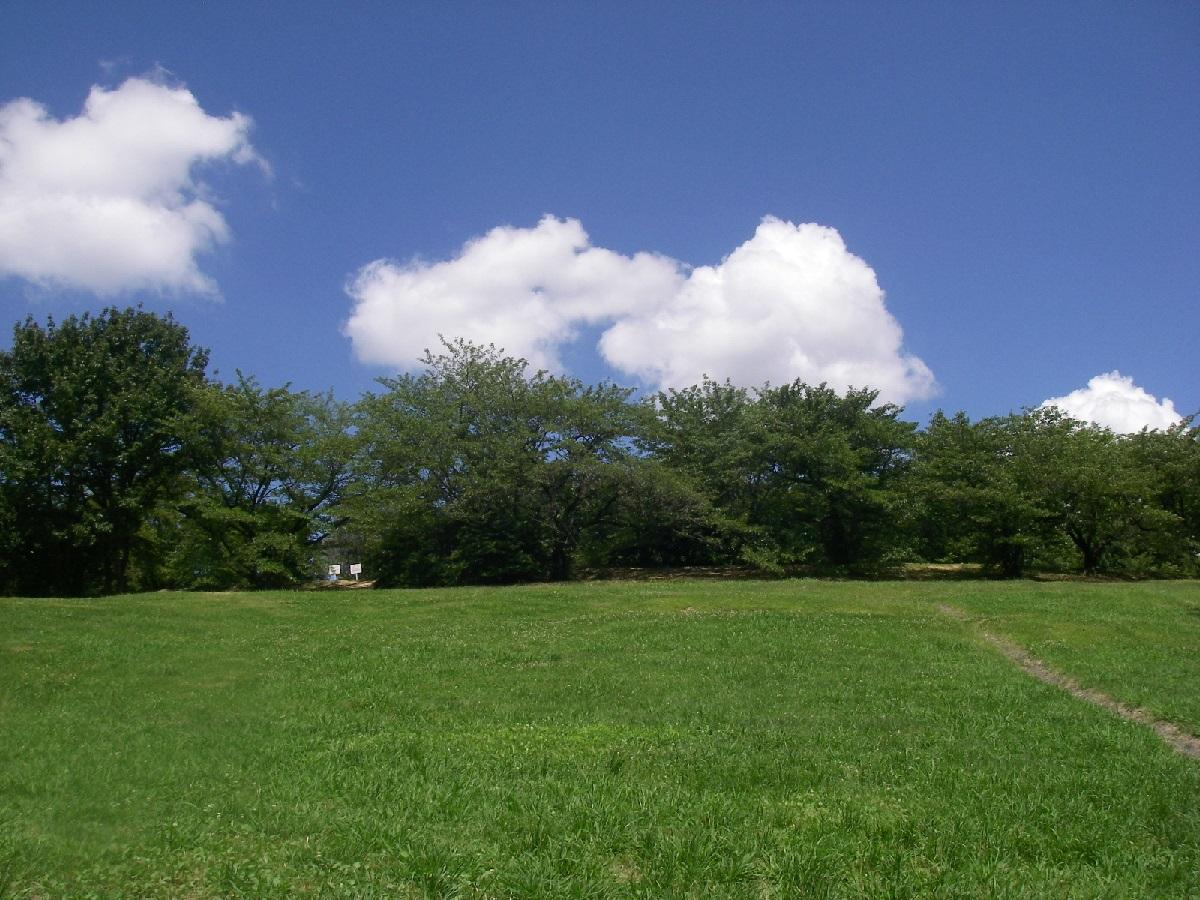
98 425
124 466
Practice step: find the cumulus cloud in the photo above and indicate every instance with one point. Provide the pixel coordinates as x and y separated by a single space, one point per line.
791 302
108 201
1113 401
524 289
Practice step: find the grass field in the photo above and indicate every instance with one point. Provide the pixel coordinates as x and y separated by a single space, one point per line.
654 739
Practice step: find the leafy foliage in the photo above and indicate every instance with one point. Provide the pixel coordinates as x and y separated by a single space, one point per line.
1020 490
122 467
274 463
800 474
474 471
97 427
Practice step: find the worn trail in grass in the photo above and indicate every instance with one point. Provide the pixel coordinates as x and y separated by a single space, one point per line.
711 739
1174 737
1139 643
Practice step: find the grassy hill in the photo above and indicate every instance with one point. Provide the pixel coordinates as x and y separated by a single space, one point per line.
708 739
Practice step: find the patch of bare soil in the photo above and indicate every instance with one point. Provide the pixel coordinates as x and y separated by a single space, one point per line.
941 572
1171 734
343 584
672 573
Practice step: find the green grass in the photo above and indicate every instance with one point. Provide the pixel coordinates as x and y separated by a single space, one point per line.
1139 643
703 739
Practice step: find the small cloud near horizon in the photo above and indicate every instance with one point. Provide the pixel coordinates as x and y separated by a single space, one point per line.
1113 401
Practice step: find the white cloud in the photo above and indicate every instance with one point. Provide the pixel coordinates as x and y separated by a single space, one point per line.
789 303
792 302
523 289
1113 401
107 201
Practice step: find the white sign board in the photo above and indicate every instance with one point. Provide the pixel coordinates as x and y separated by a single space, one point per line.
355 568
335 570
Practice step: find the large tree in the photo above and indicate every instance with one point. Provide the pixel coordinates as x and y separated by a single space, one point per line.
97 416
476 470
1040 488
272 465
796 475
973 484
1097 493
834 461
983 490
710 439
1172 459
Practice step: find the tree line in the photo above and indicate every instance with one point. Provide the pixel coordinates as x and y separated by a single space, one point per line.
123 466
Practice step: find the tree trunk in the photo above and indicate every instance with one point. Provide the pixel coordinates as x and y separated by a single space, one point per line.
560 561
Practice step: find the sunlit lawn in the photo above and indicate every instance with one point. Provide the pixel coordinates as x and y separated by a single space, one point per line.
650 739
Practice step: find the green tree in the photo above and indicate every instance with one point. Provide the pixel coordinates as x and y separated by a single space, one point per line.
709 437
476 471
441 472
1043 489
1172 458
834 462
660 518
273 465
586 461
980 489
97 415
1096 492
797 475
973 502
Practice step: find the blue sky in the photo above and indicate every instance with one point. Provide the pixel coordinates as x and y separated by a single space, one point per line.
1021 180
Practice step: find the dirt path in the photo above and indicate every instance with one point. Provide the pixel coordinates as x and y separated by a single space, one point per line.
1177 739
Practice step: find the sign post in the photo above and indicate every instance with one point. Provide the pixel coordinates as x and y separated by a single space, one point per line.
355 568
334 571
